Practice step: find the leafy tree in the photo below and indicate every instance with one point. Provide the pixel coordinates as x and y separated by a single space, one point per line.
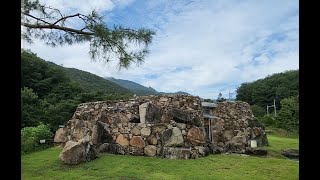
277 86
59 113
220 98
106 43
31 109
288 117
258 111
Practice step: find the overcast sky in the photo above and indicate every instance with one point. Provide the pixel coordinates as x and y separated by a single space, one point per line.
202 47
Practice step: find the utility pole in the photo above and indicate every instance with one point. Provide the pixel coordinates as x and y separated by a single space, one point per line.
274 107
230 95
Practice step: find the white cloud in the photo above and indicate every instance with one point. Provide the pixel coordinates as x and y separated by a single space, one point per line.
85 6
220 43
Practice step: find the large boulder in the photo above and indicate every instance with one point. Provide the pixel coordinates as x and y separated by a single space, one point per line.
77 152
186 117
61 135
97 133
79 132
150 113
175 153
100 134
195 136
172 137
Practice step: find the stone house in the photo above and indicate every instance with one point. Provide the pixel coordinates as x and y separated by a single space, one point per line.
168 126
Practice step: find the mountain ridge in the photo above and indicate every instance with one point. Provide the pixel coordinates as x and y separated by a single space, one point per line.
139 89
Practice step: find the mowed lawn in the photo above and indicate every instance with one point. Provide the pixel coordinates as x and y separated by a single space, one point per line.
47 165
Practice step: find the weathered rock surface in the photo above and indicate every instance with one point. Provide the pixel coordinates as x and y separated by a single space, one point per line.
136 151
256 151
78 152
150 150
122 140
143 112
214 149
176 153
195 136
137 141
153 114
152 139
145 131
172 137
61 136
79 132
111 148
158 128
202 150
291 153
184 116
135 131
235 125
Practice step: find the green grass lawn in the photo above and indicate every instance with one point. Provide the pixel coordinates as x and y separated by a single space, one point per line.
278 143
47 165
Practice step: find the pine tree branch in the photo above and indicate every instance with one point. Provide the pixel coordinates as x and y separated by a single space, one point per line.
52 26
35 17
64 18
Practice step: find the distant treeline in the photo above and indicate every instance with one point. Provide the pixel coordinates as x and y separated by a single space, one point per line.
284 88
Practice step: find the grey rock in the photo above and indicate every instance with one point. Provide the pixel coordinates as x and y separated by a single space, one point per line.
172 137
78 152
111 148
291 153
256 151
176 153
61 135
150 150
145 131
181 126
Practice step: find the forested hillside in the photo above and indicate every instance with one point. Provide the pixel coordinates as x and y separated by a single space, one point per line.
263 91
50 93
91 82
136 88
284 88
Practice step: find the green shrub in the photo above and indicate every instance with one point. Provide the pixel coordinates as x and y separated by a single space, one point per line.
258 111
30 137
268 121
